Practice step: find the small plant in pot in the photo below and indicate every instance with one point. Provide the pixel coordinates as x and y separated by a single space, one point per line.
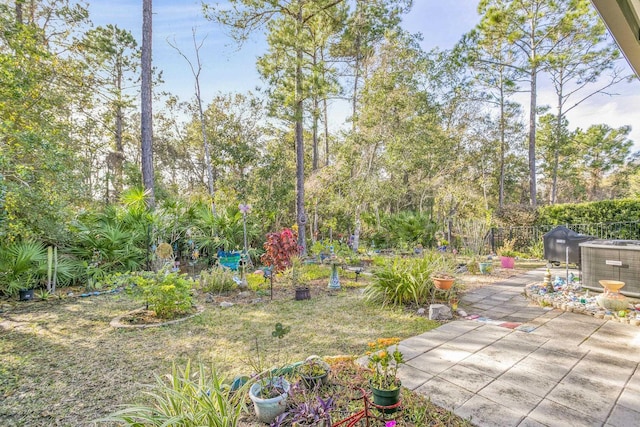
507 254
384 360
442 279
305 413
314 372
270 390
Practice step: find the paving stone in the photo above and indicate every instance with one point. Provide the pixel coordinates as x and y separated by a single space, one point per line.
458 327
542 368
530 422
444 393
533 340
554 357
553 414
484 412
467 378
427 341
604 368
586 395
613 346
451 353
430 362
513 396
630 399
479 338
485 364
483 305
535 383
623 417
412 377
410 352
558 346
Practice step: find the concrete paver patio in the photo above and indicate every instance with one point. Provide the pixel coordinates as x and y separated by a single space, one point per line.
569 370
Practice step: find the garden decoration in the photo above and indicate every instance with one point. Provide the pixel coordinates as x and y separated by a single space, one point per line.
366 414
334 279
385 384
245 209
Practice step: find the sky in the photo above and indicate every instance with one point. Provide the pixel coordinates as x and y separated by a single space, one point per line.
229 68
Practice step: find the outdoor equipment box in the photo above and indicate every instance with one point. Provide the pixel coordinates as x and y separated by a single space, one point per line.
558 240
611 260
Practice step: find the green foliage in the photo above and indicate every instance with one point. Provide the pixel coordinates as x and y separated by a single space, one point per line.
217 280
19 263
311 272
622 210
406 280
401 229
166 293
187 399
536 250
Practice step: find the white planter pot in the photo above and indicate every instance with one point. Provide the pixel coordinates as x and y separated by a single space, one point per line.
268 409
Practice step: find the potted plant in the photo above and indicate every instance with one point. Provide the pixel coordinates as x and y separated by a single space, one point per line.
314 372
442 280
485 267
507 254
384 364
270 390
269 397
306 414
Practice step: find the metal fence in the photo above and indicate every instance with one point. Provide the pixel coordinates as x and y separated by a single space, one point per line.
527 236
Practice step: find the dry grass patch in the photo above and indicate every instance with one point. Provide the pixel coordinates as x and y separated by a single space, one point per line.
62 364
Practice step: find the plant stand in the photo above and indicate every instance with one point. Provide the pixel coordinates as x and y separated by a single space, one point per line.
334 280
366 414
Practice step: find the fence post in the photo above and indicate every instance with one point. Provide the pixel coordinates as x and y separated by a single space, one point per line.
492 238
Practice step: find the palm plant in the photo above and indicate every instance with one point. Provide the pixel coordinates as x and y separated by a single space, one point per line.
19 265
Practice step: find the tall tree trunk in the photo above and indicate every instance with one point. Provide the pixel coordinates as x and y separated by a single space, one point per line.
325 113
356 232
146 117
326 132
302 216
118 157
556 152
316 117
19 12
502 147
532 138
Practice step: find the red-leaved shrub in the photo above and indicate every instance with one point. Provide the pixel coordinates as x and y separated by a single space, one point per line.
279 248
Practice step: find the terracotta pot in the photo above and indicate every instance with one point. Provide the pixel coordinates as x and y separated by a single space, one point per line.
441 283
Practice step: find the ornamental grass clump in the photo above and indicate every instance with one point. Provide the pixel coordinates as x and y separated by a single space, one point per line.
384 363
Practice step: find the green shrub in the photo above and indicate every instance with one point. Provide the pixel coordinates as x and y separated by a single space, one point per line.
186 399
311 272
622 210
536 250
217 280
166 293
19 263
406 280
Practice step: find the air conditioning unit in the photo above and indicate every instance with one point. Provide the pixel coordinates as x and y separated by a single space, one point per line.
613 260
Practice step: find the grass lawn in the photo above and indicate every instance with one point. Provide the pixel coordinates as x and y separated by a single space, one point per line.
61 363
